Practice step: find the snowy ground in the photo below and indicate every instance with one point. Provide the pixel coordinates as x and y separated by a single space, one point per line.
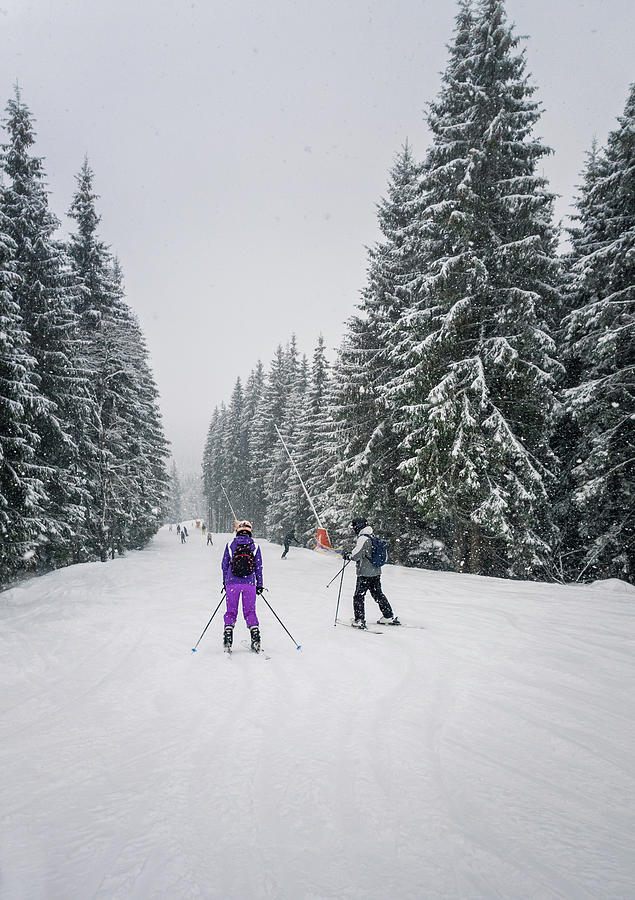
487 756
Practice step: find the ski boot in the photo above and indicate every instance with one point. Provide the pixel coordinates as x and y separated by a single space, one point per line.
388 620
358 623
228 637
255 639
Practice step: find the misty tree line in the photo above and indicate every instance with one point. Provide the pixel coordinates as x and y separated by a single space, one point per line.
480 408
185 496
82 449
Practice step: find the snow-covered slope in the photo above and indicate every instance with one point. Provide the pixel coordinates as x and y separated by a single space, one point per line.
489 755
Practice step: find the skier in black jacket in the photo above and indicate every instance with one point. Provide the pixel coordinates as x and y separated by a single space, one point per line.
288 539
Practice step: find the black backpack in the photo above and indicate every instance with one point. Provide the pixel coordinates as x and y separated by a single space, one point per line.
243 562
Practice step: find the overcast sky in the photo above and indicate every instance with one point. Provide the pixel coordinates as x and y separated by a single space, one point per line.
240 148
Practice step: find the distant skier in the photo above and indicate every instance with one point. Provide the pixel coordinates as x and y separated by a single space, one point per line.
288 539
368 577
184 531
242 574
178 529
203 528
209 539
183 535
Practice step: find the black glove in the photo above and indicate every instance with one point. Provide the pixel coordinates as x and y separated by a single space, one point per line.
346 556
259 589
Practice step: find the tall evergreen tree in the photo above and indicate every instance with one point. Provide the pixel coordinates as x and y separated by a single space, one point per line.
292 510
237 444
600 350
477 399
263 439
21 493
221 471
312 456
45 296
102 321
216 472
129 479
207 467
567 434
285 395
251 414
173 512
146 448
368 476
98 293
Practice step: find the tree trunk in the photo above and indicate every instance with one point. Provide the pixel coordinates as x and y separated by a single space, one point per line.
476 547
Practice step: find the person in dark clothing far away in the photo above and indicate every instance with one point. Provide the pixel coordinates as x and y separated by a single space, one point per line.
368 578
289 538
209 538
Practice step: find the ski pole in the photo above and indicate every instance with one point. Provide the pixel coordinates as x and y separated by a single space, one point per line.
339 593
297 646
222 597
338 572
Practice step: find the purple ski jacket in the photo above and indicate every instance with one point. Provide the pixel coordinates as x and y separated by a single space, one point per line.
228 576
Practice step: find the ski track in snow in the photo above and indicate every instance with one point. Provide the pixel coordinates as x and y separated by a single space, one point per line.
487 756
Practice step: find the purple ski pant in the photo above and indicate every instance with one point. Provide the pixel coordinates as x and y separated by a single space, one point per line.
249 603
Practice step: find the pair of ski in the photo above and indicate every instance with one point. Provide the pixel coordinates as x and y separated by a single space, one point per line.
247 645
376 630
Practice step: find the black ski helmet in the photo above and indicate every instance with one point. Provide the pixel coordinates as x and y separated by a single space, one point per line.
358 523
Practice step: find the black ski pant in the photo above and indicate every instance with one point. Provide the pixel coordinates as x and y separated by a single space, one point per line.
370 583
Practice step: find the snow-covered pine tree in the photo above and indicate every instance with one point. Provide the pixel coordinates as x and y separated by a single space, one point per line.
21 496
251 411
146 446
262 435
586 235
236 441
368 478
350 412
313 455
216 472
193 501
477 399
600 353
566 439
173 509
207 466
227 458
293 511
128 477
221 470
45 295
101 320
283 403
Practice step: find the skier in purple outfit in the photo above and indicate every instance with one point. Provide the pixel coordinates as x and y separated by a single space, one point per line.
242 574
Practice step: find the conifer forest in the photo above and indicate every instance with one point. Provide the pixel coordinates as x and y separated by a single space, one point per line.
479 410
82 453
